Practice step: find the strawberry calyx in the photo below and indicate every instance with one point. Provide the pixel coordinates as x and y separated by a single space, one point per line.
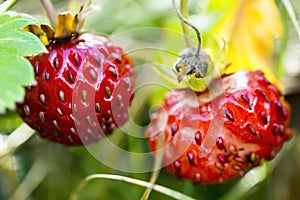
67 26
192 63
196 68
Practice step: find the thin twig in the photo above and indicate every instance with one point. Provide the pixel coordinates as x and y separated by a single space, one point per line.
48 6
189 24
164 190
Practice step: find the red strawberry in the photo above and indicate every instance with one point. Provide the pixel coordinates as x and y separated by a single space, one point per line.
212 140
84 85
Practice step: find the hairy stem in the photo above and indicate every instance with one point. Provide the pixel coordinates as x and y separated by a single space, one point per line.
48 6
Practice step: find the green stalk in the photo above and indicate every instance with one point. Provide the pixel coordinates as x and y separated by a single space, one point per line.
185 29
186 22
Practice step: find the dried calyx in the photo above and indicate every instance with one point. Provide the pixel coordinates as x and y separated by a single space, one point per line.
67 26
191 63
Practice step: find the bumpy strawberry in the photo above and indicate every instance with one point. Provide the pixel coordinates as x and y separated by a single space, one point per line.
221 133
84 85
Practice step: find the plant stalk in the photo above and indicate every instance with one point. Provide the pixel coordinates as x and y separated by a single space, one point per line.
49 8
185 21
185 29
161 189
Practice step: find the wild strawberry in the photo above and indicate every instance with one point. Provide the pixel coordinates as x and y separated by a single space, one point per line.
84 85
211 139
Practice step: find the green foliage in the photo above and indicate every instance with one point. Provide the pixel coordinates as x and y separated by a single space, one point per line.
16 72
9 122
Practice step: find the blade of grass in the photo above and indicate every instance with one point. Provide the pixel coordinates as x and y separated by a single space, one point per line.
33 178
167 191
188 188
5 6
288 6
251 179
17 138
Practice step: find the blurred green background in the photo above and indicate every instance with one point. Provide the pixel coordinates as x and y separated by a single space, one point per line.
41 170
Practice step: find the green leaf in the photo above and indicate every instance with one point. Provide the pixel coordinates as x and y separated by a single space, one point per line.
16 41
19 42
16 71
12 21
9 122
248 182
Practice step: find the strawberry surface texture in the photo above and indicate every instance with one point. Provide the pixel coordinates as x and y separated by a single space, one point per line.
84 86
216 135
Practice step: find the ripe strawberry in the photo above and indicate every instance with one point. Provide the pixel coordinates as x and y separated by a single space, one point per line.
212 140
84 85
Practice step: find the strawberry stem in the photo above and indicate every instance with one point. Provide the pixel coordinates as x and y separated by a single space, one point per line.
184 20
49 8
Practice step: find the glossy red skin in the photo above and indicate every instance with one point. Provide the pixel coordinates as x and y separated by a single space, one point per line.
188 153
91 63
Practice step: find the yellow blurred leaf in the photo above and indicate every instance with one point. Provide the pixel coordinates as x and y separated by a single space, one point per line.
250 27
